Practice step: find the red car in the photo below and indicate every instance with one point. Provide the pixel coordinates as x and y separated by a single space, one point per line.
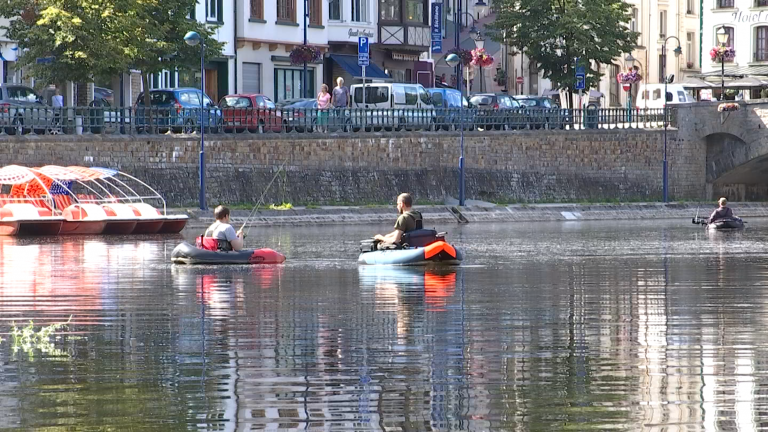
255 112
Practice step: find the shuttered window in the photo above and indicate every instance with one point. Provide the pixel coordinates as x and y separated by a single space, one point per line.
252 78
257 9
761 44
286 10
316 12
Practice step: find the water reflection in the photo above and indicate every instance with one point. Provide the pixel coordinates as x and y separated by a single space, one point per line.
590 326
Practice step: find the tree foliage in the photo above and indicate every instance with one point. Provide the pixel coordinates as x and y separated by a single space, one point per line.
101 38
554 33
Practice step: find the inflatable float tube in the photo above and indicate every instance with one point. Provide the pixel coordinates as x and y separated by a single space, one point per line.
185 253
439 252
727 223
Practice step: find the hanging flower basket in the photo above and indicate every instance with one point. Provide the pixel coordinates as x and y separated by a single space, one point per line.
481 58
464 55
629 77
301 54
719 53
727 107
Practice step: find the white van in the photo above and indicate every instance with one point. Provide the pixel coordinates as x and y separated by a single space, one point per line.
392 105
652 95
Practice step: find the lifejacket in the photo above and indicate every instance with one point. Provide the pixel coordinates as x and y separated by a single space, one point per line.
416 216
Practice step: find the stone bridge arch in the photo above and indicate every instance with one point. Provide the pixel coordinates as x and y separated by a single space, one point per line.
735 144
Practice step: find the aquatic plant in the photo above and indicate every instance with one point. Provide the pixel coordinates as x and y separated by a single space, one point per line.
27 339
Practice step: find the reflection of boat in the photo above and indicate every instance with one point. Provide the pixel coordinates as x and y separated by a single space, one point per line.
390 282
427 247
186 253
81 201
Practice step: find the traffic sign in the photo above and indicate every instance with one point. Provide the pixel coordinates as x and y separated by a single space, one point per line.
363 60
519 80
45 60
581 82
362 45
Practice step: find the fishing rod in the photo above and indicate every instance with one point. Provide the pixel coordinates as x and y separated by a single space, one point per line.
279 170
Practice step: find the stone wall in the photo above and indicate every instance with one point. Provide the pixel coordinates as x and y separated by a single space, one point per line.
530 166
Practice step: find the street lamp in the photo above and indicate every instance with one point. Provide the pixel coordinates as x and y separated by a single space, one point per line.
629 60
481 7
722 38
193 38
479 44
455 62
304 77
677 51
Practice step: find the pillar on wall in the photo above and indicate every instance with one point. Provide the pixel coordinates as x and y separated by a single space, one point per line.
69 93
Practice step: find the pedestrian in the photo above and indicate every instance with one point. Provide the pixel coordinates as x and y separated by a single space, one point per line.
442 79
323 105
57 101
340 101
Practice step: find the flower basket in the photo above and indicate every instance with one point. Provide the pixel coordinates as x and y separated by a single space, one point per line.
629 77
301 54
728 107
481 58
722 54
464 55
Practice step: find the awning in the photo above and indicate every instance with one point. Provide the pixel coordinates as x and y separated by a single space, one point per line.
550 92
691 82
349 64
737 72
746 82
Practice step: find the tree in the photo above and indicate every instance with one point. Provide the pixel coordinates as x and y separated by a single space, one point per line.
555 33
101 38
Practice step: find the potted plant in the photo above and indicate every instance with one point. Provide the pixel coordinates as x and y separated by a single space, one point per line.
305 54
689 65
722 54
481 58
728 106
629 77
464 55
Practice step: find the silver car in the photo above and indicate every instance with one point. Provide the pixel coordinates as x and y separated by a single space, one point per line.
22 109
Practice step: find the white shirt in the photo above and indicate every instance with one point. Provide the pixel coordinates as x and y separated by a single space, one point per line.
221 231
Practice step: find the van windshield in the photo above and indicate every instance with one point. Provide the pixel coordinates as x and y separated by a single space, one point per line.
373 95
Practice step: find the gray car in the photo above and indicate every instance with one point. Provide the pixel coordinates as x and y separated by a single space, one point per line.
22 109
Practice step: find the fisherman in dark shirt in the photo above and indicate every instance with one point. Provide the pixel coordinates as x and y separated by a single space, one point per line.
723 212
409 220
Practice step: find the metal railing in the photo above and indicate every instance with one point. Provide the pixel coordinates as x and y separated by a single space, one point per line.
158 120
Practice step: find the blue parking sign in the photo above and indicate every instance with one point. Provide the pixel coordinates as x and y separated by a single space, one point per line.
362 45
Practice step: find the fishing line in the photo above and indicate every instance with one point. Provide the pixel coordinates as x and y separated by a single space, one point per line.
262 198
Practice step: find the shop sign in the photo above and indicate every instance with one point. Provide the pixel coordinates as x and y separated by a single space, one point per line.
353 33
404 57
749 17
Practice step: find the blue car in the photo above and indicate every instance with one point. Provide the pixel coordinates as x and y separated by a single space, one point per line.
447 103
179 110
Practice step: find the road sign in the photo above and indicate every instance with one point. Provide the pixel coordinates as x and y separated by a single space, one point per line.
362 45
519 80
362 51
45 60
581 82
580 70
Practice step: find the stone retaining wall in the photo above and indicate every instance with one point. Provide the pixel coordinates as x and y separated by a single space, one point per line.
330 169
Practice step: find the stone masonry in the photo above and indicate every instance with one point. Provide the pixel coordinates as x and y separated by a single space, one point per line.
531 166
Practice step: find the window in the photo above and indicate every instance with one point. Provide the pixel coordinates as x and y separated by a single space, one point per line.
424 96
761 3
252 78
761 44
389 10
662 24
373 95
680 96
21 94
288 83
691 7
690 44
662 68
360 11
334 10
437 99
214 12
257 9
316 12
286 10
411 95
414 11
633 21
164 79
235 102
657 94
614 90
724 4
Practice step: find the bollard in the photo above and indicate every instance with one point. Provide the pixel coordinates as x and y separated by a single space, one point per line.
78 124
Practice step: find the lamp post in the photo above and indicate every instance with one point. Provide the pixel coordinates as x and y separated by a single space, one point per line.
481 7
722 38
454 61
630 61
479 44
304 76
193 38
665 173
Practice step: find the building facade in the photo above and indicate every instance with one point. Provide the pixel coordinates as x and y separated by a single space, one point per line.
267 31
404 40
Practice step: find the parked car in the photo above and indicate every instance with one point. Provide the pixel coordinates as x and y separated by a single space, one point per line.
285 102
542 111
392 105
652 95
104 94
254 112
498 111
178 109
22 109
448 103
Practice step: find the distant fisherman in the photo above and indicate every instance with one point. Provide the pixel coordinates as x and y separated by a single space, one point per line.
409 220
723 212
222 231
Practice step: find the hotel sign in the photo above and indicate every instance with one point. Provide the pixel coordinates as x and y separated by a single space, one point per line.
353 33
749 17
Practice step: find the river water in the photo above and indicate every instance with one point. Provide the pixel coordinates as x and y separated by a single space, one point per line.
653 325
